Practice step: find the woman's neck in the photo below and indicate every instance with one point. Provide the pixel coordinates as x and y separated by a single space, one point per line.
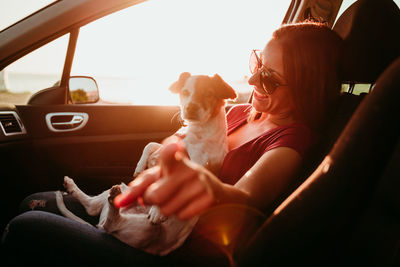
277 119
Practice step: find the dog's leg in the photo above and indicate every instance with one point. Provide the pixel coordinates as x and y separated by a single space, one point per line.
93 205
64 211
144 161
113 212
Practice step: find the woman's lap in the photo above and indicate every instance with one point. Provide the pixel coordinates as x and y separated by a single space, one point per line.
40 235
47 238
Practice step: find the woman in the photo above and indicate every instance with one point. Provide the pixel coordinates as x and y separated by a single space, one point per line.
295 80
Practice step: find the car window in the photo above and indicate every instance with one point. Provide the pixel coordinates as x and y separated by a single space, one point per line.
37 70
137 53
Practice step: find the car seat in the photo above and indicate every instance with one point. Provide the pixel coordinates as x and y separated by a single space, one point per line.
369 31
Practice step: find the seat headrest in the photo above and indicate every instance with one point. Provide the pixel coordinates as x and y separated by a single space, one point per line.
371 33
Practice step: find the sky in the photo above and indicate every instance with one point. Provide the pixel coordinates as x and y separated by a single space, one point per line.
199 40
184 35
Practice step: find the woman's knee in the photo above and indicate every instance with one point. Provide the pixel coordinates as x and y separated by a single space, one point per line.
38 201
46 201
27 227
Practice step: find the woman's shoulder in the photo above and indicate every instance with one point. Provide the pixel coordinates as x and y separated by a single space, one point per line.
297 131
297 128
297 136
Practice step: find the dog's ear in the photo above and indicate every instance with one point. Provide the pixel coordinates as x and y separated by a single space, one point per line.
177 86
224 90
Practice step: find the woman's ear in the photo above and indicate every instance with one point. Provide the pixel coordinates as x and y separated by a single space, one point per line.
177 86
224 90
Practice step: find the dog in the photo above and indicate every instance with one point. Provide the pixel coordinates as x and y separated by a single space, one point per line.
202 105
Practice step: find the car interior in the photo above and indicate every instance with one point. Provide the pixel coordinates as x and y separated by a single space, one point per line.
346 209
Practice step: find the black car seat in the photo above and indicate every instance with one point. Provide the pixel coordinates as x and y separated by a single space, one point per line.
316 224
370 31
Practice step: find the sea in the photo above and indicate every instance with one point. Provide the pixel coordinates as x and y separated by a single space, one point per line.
113 90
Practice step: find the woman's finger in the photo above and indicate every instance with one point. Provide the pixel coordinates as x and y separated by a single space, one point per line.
176 169
186 193
170 156
196 207
137 187
166 187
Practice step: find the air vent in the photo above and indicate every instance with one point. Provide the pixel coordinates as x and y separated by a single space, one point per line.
10 123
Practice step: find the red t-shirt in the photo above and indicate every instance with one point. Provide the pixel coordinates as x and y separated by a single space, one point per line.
239 160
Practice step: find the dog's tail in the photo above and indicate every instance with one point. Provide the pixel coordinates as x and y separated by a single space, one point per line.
64 211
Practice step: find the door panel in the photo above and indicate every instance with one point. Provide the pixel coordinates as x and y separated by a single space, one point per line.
104 152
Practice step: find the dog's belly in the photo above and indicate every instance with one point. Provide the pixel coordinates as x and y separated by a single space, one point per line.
136 230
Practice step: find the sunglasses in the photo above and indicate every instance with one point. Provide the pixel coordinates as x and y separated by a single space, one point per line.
268 82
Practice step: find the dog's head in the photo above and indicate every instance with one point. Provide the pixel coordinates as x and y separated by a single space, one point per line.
201 96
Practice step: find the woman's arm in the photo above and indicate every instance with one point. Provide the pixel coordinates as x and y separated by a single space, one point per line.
270 176
186 189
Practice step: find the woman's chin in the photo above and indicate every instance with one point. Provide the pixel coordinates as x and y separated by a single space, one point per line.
260 104
260 97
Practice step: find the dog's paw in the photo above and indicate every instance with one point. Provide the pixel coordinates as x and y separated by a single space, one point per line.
114 191
155 216
69 185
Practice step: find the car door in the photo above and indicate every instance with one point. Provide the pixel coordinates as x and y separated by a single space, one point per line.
46 137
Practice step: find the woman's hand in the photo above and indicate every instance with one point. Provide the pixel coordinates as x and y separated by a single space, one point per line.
178 186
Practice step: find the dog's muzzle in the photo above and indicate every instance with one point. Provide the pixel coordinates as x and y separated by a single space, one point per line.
191 111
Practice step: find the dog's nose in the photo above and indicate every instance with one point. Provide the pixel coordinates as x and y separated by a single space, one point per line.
191 110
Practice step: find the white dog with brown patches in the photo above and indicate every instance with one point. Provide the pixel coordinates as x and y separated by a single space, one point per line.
202 100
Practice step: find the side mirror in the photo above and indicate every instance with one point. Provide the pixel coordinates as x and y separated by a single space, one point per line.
83 90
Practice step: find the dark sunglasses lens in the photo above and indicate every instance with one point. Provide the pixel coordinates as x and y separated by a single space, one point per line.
268 83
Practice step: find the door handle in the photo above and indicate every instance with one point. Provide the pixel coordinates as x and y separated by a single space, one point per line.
66 121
